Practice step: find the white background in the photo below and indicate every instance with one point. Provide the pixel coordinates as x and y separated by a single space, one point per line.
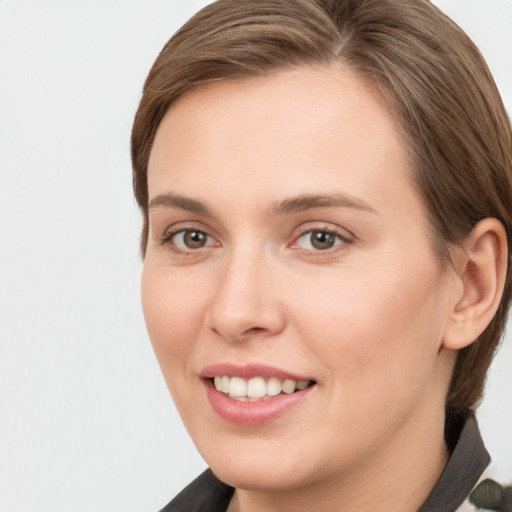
86 423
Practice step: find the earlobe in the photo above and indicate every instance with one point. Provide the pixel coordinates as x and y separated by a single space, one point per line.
482 275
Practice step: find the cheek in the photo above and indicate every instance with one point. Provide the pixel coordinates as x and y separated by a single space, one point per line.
374 327
173 314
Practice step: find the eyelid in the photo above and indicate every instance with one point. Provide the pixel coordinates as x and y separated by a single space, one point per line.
344 235
170 233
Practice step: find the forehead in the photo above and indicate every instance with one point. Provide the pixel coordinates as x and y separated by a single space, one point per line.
304 128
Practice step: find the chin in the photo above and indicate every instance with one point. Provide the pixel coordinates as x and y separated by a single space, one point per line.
252 477
256 467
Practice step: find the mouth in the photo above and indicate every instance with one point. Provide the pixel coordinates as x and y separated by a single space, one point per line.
254 394
257 388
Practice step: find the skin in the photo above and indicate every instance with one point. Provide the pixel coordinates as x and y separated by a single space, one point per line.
366 319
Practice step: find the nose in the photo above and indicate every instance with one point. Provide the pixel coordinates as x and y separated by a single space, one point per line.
246 303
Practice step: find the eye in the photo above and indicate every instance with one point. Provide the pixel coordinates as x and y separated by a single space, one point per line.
190 239
319 240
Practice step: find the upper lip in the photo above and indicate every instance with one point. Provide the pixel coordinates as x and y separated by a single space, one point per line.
249 371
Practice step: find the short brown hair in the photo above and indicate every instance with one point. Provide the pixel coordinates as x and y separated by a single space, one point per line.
426 68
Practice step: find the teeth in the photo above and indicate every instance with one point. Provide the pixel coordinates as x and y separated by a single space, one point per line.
255 389
289 386
302 384
237 387
274 387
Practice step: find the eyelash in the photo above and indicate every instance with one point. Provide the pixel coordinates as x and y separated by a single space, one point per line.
168 239
342 236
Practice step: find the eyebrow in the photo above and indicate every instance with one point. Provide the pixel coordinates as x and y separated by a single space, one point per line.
180 203
307 202
291 205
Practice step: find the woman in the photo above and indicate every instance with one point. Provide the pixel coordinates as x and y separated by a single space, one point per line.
326 194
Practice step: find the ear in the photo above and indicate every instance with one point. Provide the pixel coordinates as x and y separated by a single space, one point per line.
481 269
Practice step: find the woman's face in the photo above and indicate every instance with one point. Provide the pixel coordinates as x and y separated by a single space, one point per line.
287 243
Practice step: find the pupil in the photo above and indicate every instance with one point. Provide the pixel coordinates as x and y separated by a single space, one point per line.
322 240
194 239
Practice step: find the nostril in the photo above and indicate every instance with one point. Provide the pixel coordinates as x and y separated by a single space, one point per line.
254 330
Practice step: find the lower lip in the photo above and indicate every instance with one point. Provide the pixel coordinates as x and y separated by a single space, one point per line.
253 413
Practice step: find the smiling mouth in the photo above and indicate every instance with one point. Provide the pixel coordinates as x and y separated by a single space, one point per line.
256 389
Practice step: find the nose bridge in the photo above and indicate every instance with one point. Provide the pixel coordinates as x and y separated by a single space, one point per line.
245 303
